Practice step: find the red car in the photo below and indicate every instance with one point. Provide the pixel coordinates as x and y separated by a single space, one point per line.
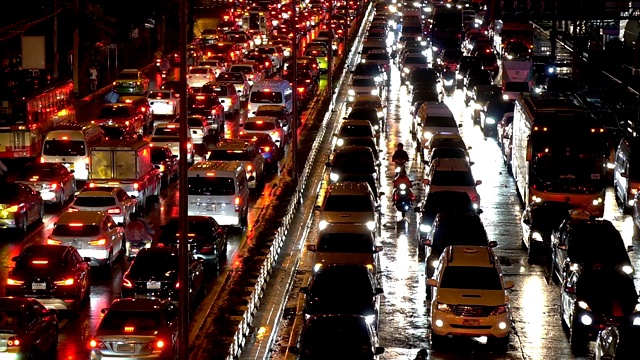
124 114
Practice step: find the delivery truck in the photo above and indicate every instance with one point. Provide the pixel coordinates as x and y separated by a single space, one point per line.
126 164
517 78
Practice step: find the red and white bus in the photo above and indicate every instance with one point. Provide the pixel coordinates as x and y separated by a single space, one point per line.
26 117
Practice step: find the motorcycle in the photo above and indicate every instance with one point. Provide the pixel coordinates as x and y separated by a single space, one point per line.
402 199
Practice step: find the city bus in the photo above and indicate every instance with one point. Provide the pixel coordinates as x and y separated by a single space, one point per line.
559 152
25 117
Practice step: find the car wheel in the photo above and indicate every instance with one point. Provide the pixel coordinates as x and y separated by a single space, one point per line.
24 226
244 220
109 263
63 198
437 341
501 345
554 274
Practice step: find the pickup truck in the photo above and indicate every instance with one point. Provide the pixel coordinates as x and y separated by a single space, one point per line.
127 115
126 164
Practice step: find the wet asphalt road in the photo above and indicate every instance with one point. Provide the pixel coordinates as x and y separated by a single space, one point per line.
536 333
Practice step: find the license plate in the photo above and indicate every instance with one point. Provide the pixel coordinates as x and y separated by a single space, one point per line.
77 245
210 207
470 322
153 285
38 286
126 347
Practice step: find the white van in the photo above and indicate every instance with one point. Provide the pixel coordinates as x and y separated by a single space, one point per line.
270 92
219 189
433 118
69 143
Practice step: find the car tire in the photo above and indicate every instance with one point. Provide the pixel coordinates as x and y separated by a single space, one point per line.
244 220
578 340
24 227
501 345
437 341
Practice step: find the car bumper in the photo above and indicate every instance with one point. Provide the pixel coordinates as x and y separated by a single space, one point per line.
162 109
97 355
98 257
470 326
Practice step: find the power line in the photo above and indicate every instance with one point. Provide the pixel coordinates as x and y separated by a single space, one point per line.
24 27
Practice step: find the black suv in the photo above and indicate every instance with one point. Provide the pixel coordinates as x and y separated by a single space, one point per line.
580 244
435 203
207 239
453 228
595 298
538 221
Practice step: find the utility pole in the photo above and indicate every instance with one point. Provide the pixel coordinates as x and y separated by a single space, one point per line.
183 188
294 108
56 60
76 49
330 57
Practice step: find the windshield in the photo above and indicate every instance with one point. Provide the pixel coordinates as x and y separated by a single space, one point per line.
215 89
348 203
364 82
229 155
94 201
13 112
356 131
367 104
241 69
272 113
587 237
195 122
608 292
452 178
377 56
211 186
347 281
45 171
415 60
230 77
64 148
471 278
268 97
440 121
160 265
451 55
167 131
76 230
460 233
259 125
450 143
345 243
198 71
448 152
109 112
135 322
352 162
364 113
348 337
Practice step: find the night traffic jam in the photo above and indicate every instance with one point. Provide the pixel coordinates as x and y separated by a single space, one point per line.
365 180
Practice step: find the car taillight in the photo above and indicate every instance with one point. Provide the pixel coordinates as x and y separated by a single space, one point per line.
266 149
53 242
161 167
93 343
155 345
301 90
189 145
14 341
178 285
14 208
474 198
86 162
237 202
14 282
114 210
97 242
206 249
65 282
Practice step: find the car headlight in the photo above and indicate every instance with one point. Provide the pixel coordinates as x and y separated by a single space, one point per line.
351 92
490 121
339 142
427 135
371 225
435 263
334 176
380 114
419 38
505 97
596 201
402 186
459 76
611 166
374 92
323 224
370 319
423 43
448 82
376 127
536 236
636 321
477 106
536 199
443 307
433 48
627 269
376 79
405 70
586 320
574 266
583 305
317 267
424 228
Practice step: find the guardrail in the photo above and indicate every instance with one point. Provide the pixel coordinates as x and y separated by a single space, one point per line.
243 318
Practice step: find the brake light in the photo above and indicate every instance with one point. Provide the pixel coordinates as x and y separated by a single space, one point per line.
76 225
65 282
91 185
73 209
237 202
98 242
93 343
143 109
53 242
206 249
301 90
189 145
13 341
54 186
161 168
266 148
178 285
14 282
40 262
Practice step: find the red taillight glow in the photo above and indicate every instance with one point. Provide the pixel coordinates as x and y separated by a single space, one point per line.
13 341
65 282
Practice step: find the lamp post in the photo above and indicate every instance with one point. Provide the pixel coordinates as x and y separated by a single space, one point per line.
183 220
294 107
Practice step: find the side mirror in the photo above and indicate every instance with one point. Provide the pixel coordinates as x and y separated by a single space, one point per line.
251 178
15 258
312 248
156 167
221 101
379 291
317 208
327 164
294 350
493 243
379 350
508 285
70 172
526 221
304 290
432 282
562 247
86 259
478 182
479 211
426 181
104 310
416 209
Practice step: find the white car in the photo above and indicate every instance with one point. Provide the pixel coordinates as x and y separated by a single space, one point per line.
452 174
469 296
249 70
362 85
163 102
266 125
200 75
239 81
113 200
94 233
352 203
169 135
217 66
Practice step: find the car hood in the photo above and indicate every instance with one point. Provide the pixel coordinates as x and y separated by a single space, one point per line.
472 297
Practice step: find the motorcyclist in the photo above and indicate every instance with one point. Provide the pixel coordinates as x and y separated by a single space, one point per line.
402 178
400 157
158 54
136 234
